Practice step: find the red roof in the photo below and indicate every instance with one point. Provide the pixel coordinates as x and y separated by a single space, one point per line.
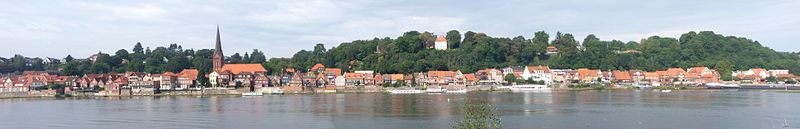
588 72
317 67
539 68
190 73
336 71
238 68
354 76
441 39
470 77
621 75
672 72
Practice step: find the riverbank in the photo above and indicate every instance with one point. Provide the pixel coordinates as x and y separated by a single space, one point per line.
331 90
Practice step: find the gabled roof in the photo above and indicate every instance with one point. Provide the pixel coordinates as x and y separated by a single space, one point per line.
317 67
675 72
470 77
336 71
169 74
539 68
696 70
588 72
441 38
190 73
441 74
354 75
621 75
239 68
758 70
651 74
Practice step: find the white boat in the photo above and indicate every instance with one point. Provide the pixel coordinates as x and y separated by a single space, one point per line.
504 87
436 90
530 88
277 92
721 85
457 91
666 91
406 91
252 94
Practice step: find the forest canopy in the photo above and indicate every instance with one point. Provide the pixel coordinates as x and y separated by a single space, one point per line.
467 52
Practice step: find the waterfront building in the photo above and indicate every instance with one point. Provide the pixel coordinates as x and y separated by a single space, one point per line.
589 75
538 73
701 75
564 75
440 78
490 76
621 76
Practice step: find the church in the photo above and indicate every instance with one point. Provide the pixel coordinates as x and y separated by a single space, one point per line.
224 75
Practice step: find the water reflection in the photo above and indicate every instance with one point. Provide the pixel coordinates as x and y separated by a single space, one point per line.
558 109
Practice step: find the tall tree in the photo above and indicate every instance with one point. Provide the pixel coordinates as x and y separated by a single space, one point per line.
453 39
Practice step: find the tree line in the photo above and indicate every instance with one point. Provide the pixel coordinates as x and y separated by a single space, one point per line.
467 52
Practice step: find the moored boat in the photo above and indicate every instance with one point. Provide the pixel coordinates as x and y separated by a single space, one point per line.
252 94
721 86
436 90
530 88
406 91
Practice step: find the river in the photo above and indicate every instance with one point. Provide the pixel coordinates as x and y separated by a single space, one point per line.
560 109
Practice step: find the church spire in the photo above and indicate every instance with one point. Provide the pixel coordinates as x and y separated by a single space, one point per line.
218 47
218 57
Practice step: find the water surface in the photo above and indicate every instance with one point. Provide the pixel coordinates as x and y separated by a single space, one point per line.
563 109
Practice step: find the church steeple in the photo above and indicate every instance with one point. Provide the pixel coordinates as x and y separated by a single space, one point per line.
218 57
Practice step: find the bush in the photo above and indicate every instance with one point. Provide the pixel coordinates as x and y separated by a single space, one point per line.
479 116
578 86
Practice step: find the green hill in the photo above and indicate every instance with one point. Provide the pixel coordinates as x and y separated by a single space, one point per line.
410 53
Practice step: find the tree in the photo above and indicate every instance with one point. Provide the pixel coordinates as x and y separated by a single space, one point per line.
68 59
235 59
510 78
725 69
257 57
453 39
469 40
427 39
138 48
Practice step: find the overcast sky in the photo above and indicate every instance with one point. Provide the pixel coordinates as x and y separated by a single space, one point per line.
55 28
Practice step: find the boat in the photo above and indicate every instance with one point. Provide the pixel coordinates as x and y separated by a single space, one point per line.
641 85
252 94
504 87
277 92
406 91
530 88
436 90
721 86
457 91
666 91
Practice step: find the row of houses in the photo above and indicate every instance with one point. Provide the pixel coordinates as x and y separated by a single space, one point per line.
321 76
254 76
103 84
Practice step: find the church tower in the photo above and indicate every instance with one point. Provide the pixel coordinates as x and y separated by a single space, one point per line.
218 57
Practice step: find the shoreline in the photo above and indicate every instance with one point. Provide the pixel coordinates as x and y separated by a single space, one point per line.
348 91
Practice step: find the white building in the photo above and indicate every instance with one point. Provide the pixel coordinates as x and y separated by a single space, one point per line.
778 73
340 81
538 73
441 43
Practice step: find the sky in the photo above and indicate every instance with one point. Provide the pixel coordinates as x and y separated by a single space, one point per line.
280 28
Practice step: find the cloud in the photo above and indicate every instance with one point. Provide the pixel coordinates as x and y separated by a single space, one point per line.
282 27
140 12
